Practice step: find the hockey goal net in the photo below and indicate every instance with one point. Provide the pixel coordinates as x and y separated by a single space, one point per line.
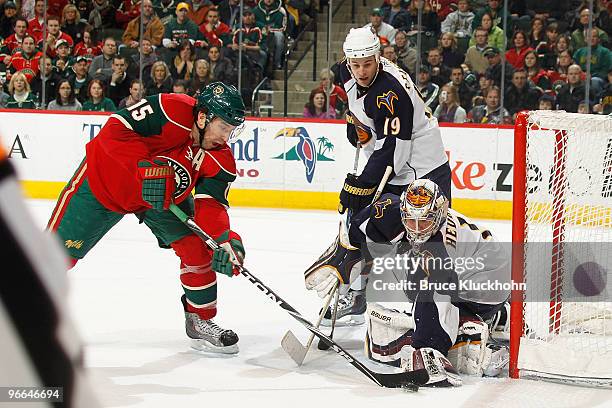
561 318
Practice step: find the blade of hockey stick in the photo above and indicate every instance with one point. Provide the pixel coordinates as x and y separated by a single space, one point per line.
292 345
408 380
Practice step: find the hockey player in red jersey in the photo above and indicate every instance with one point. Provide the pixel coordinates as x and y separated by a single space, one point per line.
146 157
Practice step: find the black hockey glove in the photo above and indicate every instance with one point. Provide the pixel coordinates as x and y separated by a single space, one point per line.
355 195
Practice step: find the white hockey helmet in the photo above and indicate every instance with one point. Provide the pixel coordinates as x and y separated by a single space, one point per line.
423 208
360 43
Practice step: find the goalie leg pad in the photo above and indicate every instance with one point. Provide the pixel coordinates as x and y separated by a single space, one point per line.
387 332
473 356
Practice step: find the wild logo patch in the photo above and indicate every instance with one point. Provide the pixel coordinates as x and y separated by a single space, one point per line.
387 99
182 177
218 90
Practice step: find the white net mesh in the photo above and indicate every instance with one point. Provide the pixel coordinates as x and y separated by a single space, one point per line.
568 248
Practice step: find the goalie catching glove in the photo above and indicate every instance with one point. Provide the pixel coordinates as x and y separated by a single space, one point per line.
229 255
355 194
158 183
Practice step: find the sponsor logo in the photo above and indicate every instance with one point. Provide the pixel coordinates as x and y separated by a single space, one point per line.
380 316
387 99
246 151
73 244
305 150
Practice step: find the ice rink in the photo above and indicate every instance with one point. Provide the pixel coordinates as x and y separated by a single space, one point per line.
125 301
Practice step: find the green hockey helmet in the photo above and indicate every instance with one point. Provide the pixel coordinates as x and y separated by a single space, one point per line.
220 100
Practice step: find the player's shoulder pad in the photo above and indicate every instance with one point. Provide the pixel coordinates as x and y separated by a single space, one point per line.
386 96
220 164
178 108
343 72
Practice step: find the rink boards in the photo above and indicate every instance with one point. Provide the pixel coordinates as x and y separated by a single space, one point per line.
280 163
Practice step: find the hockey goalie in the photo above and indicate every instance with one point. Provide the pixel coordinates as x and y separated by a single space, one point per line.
444 316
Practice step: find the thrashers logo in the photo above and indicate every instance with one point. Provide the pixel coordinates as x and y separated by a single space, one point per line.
419 196
387 99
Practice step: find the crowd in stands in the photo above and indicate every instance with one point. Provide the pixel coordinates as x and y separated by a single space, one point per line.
91 55
543 50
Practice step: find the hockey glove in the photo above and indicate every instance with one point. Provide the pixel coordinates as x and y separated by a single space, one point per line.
230 254
355 195
158 183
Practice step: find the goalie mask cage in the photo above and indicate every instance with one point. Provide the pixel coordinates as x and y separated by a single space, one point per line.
561 318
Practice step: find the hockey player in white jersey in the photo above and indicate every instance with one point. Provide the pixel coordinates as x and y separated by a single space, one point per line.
389 119
440 313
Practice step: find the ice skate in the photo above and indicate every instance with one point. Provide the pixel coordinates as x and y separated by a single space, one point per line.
351 308
207 336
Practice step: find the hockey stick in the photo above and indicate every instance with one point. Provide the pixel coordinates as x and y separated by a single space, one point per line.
409 380
292 345
383 182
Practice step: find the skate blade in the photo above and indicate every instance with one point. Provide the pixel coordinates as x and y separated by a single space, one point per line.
207 347
346 321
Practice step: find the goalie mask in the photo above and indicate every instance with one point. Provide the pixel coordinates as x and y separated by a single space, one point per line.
423 208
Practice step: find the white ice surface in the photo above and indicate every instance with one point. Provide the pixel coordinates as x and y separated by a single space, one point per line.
124 297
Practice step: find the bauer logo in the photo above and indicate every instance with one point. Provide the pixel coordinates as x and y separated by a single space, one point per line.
305 149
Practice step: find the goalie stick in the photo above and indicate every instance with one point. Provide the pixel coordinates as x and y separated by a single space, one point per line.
409 380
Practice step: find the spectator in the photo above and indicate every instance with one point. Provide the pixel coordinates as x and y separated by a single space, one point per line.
65 100
272 17
55 7
495 35
20 93
388 51
604 19
338 100
51 81
136 94
127 11
520 46
405 53
605 98
459 22
215 32
546 9
520 95
26 60
451 57
54 35
102 16
386 32
547 53
601 60
118 85
546 102
443 7
165 10
572 93
36 22
13 41
161 81
88 48
430 26
491 112
97 102
202 76
483 87
63 58
495 10
449 110
465 91
153 28
494 71
180 86
579 35
4 97
221 68
102 63
178 29
72 24
440 73
230 13
8 19
182 64
148 59
199 10
85 8
535 74
79 78
560 73
395 15
251 45
537 34
428 90
474 59
317 106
